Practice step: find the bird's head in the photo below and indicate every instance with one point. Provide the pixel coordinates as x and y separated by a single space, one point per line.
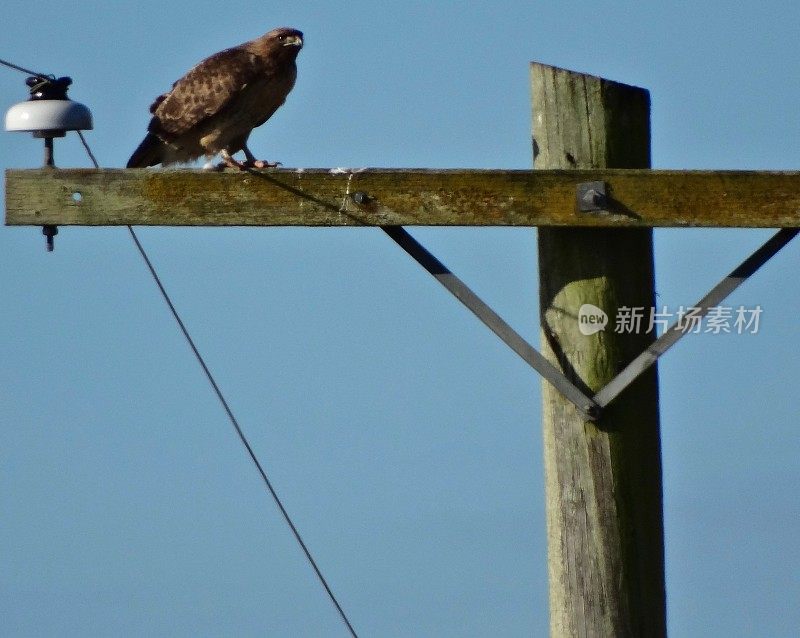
283 41
281 44
289 37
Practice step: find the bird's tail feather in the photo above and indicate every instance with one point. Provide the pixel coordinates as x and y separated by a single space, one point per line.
149 153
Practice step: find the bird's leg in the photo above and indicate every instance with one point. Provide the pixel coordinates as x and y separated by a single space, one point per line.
252 161
227 160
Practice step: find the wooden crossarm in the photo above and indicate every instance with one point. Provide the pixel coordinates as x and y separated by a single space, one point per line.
407 197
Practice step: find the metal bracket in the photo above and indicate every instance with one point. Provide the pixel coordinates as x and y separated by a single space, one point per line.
585 404
675 332
590 407
592 197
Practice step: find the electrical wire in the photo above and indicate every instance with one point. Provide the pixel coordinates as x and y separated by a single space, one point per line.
234 421
240 433
88 150
10 65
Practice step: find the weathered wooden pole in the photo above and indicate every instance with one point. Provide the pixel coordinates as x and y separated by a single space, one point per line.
602 480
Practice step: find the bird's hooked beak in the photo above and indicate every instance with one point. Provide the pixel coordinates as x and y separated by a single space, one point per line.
293 41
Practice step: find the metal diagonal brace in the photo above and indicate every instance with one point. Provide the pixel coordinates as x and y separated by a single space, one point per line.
587 406
717 294
462 292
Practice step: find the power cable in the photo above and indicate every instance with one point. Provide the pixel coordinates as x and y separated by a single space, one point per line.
234 421
10 65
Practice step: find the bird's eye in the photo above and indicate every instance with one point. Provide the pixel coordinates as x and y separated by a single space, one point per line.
281 38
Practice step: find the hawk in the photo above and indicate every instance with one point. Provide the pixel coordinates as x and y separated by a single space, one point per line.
214 107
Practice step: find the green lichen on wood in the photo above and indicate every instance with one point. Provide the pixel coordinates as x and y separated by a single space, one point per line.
409 197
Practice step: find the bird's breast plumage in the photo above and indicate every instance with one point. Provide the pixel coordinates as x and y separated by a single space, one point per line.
252 105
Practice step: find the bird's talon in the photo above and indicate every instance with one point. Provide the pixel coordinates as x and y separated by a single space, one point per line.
262 164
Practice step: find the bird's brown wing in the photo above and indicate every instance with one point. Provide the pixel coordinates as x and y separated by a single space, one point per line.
203 92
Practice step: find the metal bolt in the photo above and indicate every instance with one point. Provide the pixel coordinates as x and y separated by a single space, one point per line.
593 411
49 232
592 197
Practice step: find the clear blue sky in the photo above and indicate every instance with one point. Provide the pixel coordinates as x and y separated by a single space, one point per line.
403 437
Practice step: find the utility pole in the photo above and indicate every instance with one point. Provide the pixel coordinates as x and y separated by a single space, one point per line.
603 479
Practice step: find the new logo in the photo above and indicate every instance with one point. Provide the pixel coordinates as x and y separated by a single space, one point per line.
591 319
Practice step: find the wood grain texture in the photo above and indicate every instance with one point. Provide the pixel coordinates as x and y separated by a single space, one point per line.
602 480
409 197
